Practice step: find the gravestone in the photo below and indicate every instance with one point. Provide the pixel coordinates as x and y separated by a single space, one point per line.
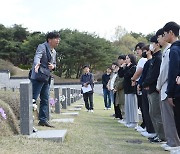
68 96
64 98
57 93
26 115
72 97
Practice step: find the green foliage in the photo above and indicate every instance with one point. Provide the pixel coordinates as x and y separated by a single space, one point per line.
76 49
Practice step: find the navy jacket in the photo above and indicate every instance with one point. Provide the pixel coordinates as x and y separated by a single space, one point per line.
128 73
173 90
153 72
89 79
144 73
105 79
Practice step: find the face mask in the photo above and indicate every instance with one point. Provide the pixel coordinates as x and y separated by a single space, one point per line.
144 55
151 47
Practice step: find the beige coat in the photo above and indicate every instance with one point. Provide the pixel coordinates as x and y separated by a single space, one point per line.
118 85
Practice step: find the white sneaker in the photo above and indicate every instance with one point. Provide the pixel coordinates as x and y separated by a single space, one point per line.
140 129
146 134
177 151
164 145
105 108
168 148
108 108
91 111
122 121
131 125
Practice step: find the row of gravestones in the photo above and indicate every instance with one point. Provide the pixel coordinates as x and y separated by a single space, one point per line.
64 96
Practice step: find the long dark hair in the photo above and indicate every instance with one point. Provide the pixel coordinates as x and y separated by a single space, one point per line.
132 58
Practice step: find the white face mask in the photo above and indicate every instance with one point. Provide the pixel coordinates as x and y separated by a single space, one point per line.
151 47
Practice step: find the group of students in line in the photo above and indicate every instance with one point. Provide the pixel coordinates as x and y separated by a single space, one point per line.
151 85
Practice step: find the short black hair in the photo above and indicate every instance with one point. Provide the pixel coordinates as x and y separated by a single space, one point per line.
52 35
140 45
86 66
172 26
146 48
154 39
132 57
122 57
160 32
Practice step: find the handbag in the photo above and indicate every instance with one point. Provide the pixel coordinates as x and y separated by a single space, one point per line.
44 73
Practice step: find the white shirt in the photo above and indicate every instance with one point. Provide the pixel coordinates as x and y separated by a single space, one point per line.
112 80
140 64
163 75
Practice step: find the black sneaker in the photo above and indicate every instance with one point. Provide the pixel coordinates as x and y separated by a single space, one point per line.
156 140
45 123
151 138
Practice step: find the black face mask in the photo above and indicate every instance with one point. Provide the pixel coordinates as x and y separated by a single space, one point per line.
144 55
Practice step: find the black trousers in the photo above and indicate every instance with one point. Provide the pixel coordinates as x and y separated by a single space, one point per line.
139 99
177 114
117 110
145 111
88 99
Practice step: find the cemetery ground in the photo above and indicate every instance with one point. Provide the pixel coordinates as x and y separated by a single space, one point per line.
91 133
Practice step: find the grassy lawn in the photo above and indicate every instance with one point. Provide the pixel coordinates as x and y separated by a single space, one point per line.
91 133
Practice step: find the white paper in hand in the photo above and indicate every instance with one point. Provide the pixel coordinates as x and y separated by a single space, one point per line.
86 89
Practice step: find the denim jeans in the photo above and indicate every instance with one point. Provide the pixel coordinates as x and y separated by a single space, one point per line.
112 96
42 89
107 98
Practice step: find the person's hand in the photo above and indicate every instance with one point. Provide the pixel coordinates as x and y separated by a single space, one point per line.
147 88
138 88
133 83
36 67
123 65
85 84
158 90
114 90
129 64
51 66
170 101
178 80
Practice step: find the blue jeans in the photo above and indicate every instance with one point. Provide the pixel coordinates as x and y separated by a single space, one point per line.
42 89
107 98
112 96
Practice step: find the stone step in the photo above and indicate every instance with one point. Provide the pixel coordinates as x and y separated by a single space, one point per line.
65 120
54 135
75 109
71 113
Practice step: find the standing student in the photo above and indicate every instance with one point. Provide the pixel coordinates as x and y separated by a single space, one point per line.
87 79
136 77
149 131
166 109
131 107
171 33
153 95
110 84
46 57
119 92
106 92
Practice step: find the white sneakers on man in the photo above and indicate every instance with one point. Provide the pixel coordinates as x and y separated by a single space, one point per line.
122 121
148 135
140 129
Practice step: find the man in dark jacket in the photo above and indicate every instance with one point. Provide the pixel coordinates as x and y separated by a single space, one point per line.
171 33
87 81
153 95
106 92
